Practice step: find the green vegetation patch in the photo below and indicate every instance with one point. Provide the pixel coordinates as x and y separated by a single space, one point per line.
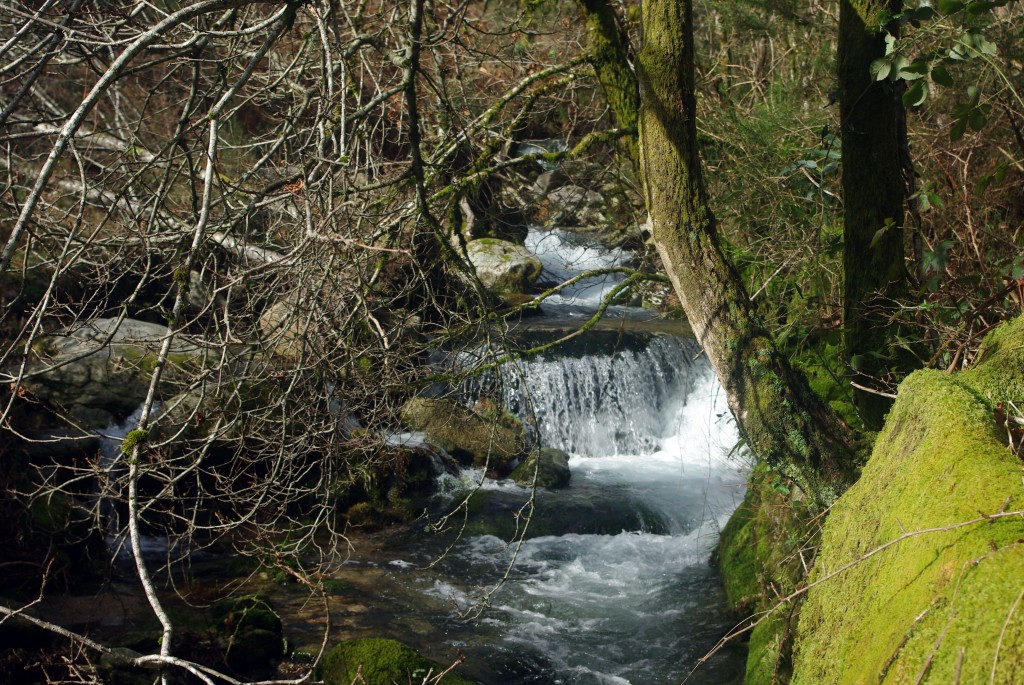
380 662
941 606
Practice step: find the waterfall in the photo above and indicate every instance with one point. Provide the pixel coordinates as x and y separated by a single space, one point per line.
645 422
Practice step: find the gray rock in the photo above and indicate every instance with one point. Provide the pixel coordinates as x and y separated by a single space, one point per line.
578 205
503 266
551 467
101 370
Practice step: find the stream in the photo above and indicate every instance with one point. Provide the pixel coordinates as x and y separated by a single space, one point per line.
607 581
611 582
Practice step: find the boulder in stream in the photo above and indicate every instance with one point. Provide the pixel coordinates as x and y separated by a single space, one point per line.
377 661
100 372
467 436
503 266
550 466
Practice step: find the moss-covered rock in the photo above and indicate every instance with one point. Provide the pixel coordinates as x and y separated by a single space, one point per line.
250 632
759 557
942 606
502 266
550 468
380 662
466 435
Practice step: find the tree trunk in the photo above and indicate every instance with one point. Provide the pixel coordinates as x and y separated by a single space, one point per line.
608 45
874 159
783 421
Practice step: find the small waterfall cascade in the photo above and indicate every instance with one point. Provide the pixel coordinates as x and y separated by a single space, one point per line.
112 463
618 401
647 428
611 582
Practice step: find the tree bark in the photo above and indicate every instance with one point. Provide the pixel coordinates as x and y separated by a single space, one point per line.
608 46
783 421
875 183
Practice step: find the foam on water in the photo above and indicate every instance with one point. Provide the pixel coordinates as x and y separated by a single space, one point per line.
565 255
653 425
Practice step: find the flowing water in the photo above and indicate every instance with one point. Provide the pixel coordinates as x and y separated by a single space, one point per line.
611 581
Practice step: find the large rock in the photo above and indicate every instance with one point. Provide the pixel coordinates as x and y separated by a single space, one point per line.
503 266
549 466
100 372
577 206
465 435
939 606
249 633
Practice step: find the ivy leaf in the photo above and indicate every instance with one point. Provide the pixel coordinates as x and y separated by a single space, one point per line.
950 6
941 76
916 94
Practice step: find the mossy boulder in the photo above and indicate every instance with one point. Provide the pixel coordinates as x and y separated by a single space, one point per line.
380 662
549 466
759 557
100 372
250 632
502 266
940 606
469 437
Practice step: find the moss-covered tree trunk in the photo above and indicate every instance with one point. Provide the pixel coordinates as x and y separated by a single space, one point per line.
874 194
784 422
608 45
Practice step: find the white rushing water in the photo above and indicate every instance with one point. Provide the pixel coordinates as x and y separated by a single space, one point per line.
565 255
646 428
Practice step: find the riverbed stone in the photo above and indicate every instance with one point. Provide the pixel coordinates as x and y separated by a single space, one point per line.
549 465
470 438
503 266
577 206
250 632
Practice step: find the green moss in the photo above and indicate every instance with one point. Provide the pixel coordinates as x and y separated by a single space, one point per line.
925 601
135 438
379 662
769 659
759 558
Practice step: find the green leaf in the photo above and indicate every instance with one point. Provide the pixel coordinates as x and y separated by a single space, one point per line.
880 68
958 130
890 43
916 94
880 233
950 6
941 76
977 119
922 13
913 70
935 200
